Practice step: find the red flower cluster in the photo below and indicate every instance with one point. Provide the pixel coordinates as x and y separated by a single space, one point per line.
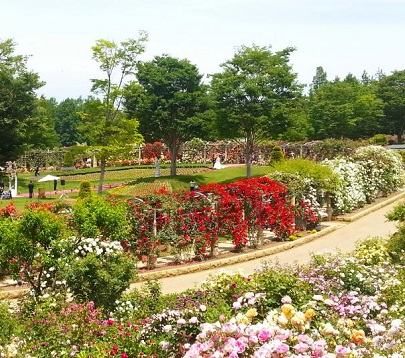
248 205
196 219
9 211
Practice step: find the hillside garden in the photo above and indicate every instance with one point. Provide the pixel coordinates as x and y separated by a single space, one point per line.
79 259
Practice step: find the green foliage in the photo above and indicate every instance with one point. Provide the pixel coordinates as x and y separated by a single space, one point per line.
30 246
397 213
280 282
144 302
372 251
391 90
68 160
85 190
42 125
18 103
252 95
396 245
105 126
276 155
168 100
67 122
394 296
295 172
8 325
228 285
402 154
99 217
345 109
379 139
100 280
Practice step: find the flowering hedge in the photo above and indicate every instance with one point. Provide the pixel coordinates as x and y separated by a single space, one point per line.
371 172
248 205
190 222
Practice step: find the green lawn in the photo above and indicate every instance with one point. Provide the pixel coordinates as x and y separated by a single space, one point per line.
138 178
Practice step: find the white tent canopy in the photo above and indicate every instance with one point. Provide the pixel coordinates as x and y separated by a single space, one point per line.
48 178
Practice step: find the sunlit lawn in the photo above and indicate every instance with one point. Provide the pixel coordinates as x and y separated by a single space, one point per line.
143 181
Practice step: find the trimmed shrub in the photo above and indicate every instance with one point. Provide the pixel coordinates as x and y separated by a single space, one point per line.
85 190
276 155
68 160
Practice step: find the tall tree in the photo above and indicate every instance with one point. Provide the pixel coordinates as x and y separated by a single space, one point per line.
252 94
168 100
17 101
346 109
40 133
320 79
103 120
68 121
391 89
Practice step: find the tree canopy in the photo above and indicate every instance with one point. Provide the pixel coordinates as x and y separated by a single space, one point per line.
345 108
18 102
253 95
168 100
391 89
107 129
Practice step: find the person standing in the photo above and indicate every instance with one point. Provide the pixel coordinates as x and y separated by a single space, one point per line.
31 189
218 164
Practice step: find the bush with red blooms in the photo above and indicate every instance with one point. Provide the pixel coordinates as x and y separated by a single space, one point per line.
249 205
10 211
193 221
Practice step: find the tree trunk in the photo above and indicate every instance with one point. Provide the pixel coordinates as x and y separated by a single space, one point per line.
173 157
248 154
103 164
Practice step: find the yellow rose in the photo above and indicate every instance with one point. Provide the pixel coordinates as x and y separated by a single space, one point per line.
298 320
288 310
309 314
251 313
358 336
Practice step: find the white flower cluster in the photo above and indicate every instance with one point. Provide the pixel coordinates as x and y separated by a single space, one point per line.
248 299
123 310
372 171
349 194
97 246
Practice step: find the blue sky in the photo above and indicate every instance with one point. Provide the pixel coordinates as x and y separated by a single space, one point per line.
342 36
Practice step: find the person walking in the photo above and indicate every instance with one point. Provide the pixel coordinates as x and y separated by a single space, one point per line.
31 189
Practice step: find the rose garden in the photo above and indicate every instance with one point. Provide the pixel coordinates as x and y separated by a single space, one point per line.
79 259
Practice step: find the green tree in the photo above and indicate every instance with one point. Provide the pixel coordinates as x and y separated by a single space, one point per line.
320 79
391 89
107 129
68 121
17 101
30 246
253 94
41 132
169 102
345 109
